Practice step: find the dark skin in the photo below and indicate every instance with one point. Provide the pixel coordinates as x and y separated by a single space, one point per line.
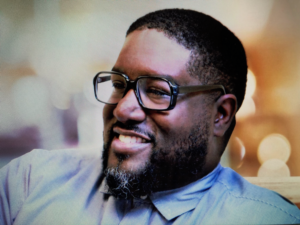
150 52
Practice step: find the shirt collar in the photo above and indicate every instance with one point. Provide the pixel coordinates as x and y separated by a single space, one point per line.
104 188
173 203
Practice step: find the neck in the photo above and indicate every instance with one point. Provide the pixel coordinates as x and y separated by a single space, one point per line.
177 178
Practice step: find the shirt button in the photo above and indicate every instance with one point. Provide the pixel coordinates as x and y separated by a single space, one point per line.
144 197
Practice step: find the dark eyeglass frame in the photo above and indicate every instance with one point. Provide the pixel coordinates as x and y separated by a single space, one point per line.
175 89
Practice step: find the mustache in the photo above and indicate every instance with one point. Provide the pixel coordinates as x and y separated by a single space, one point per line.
111 136
133 127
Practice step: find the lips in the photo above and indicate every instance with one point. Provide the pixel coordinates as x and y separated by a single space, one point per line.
128 136
130 141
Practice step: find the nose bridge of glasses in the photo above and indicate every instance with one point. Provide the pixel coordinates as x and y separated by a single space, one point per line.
131 84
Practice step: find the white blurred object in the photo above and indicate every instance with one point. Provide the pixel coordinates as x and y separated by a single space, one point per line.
90 128
248 107
274 146
33 107
273 168
60 98
237 153
251 84
31 100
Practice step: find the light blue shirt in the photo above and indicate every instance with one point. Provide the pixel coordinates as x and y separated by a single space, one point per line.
55 187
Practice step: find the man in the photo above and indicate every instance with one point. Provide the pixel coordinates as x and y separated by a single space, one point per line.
171 100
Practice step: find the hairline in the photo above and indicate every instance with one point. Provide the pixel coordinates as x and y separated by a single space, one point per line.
167 35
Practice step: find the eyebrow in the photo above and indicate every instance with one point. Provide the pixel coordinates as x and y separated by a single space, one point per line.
117 70
167 76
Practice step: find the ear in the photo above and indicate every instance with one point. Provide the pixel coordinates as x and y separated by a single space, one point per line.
226 107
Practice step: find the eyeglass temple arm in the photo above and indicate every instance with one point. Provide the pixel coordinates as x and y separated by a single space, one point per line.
102 79
188 89
185 89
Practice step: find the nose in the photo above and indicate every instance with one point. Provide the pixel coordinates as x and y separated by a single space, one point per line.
129 109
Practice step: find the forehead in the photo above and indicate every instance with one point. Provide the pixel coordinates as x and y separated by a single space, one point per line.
150 52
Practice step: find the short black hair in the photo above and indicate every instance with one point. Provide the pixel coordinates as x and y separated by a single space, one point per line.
217 55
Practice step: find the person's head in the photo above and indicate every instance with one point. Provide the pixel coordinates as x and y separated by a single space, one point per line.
149 150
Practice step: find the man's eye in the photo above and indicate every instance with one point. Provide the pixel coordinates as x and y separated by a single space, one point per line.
118 85
157 92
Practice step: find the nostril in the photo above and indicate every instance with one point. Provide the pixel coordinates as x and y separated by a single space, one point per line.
129 109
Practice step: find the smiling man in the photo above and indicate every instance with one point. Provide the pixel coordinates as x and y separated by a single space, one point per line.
149 146
171 100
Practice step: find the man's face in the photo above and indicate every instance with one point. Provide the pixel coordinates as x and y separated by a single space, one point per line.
135 138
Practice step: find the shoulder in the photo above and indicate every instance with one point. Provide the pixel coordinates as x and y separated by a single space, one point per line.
51 165
43 158
265 205
40 173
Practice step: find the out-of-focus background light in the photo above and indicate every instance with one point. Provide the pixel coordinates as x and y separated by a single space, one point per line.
273 153
234 154
51 50
248 107
273 168
274 146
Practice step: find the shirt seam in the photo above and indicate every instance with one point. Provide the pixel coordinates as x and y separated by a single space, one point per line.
213 176
258 200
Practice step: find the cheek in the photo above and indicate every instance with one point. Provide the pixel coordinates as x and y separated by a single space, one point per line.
108 119
178 122
171 126
108 114
112 159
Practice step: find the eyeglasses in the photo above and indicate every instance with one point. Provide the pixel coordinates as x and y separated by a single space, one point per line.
155 93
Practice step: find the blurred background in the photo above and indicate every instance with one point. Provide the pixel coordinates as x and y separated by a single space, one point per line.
51 50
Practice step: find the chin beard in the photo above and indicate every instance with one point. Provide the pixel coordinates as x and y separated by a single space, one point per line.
126 185
166 169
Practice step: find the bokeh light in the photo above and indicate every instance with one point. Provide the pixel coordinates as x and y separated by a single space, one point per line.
90 128
234 153
248 107
251 84
60 98
31 100
273 168
274 146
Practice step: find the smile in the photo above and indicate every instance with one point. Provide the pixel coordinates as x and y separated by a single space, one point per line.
131 139
130 142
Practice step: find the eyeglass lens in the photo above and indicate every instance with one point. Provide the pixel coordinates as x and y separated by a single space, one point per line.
154 93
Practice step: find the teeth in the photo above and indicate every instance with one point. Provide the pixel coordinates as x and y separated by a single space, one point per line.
131 139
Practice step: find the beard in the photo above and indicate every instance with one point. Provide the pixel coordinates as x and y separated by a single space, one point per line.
167 168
